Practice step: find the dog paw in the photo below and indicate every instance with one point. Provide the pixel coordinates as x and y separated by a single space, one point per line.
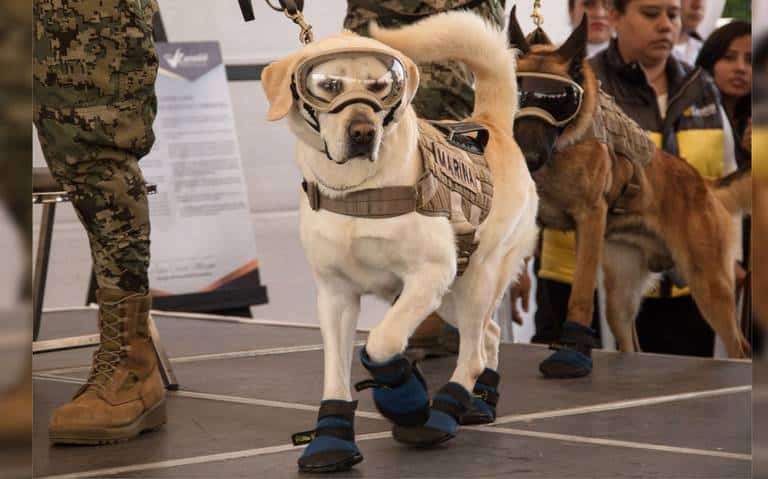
449 404
332 445
485 396
566 363
572 356
399 389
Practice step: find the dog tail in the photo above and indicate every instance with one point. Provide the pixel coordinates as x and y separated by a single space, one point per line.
735 191
467 38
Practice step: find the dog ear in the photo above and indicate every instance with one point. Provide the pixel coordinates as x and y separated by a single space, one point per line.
413 79
515 33
575 48
276 81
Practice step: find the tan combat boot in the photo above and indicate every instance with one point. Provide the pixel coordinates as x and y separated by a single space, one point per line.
124 394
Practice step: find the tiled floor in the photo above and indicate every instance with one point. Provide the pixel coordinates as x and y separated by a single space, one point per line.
638 415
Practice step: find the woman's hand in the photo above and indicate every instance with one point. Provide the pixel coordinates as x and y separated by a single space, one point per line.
522 290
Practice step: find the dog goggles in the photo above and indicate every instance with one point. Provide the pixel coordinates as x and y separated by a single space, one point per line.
327 83
555 99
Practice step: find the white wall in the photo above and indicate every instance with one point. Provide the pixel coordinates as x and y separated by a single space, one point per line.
272 35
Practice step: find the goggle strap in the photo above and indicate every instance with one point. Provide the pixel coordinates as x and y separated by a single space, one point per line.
311 111
391 114
544 115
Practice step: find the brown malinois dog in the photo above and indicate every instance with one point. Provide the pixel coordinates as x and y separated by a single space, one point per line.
637 211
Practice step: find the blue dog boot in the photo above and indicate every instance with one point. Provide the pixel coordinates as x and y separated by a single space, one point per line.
573 353
332 445
450 403
400 391
485 396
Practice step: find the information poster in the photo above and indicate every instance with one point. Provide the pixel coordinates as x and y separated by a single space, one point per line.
202 236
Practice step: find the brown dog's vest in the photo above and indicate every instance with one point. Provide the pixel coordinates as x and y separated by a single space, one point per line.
456 184
624 138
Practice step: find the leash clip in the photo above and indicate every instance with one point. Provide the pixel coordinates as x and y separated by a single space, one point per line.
292 9
305 35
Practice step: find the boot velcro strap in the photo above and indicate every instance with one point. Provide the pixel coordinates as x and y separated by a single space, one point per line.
305 437
584 348
577 335
489 378
370 383
579 341
342 409
396 372
491 397
456 408
449 407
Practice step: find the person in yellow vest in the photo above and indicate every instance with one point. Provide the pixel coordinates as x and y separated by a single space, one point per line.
679 105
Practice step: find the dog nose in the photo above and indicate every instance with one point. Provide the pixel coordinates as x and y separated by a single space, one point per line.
361 132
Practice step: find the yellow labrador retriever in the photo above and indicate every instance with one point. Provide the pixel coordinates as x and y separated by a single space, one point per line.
376 218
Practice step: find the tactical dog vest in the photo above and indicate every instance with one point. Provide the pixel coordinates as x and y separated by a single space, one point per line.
456 184
620 133
623 137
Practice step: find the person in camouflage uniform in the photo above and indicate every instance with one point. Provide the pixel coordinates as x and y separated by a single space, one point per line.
445 93
94 72
445 89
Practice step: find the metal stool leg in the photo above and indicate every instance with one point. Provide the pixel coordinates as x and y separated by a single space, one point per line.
169 378
41 264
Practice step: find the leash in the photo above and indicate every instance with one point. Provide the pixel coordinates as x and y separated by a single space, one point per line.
538 18
290 8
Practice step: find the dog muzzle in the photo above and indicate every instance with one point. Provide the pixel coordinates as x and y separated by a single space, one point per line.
554 99
330 82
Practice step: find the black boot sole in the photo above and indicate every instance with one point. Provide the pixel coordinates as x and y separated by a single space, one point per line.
342 466
420 436
561 370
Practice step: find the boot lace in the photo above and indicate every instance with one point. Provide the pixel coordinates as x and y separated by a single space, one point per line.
111 349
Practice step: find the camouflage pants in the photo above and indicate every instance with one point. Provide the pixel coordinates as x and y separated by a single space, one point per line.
94 104
445 89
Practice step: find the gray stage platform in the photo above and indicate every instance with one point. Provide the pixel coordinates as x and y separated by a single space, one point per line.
245 387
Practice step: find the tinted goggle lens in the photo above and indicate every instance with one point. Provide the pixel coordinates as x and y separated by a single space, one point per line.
561 99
